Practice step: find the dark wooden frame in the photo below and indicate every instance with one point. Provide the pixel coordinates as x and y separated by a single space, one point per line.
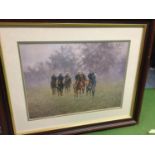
5 116
152 62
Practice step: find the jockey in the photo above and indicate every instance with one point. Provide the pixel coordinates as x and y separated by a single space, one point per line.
92 78
80 76
67 76
83 77
77 76
53 78
60 78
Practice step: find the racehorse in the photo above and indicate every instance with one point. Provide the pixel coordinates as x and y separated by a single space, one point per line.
67 84
79 88
53 86
60 87
90 88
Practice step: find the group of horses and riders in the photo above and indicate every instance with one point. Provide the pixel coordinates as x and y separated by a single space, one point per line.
81 85
59 83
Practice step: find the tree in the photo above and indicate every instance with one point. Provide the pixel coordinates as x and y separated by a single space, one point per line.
99 57
63 60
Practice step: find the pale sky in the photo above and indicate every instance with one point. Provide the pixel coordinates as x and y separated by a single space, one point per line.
33 53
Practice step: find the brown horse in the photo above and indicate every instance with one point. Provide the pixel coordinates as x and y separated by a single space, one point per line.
79 88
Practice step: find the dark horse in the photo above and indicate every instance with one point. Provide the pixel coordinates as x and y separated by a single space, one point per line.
90 88
60 85
53 84
91 84
67 83
78 88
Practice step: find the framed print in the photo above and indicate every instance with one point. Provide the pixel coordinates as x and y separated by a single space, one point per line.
72 76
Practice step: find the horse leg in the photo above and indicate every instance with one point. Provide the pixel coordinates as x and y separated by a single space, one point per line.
78 93
58 92
53 91
93 92
61 92
75 93
82 90
87 90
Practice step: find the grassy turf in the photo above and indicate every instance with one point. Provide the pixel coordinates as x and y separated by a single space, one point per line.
41 102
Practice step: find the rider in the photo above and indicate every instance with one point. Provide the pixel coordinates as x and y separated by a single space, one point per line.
92 78
80 76
67 77
77 77
60 78
67 82
83 77
53 78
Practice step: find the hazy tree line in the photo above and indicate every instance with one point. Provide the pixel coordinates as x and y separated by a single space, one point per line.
105 59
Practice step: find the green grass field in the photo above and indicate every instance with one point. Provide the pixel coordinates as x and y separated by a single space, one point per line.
41 102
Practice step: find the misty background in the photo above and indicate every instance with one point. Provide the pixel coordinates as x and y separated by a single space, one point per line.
40 60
